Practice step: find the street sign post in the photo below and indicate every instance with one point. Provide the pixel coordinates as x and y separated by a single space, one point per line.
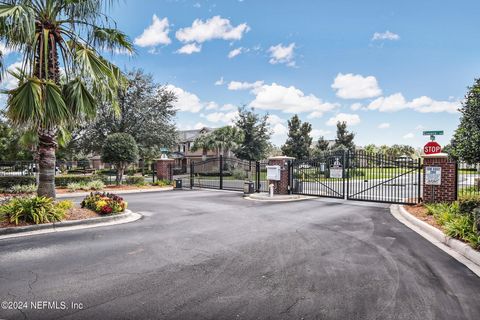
433 133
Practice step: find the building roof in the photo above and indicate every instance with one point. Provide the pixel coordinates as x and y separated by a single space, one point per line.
191 135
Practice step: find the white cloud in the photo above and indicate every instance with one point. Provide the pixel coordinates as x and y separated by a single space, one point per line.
223 117
288 100
199 125
210 29
356 106
350 119
387 35
186 101
235 52
219 82
215 106
317 133
424 104
5 50
409 136
420 127
277 125
10 82
155 34
282 54
356 86
237 85
190 48
384 125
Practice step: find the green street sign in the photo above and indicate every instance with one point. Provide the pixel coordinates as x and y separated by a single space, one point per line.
433 133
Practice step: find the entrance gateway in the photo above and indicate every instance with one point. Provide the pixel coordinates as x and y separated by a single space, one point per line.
358 175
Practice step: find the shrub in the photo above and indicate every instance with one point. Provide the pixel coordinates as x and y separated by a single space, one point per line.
6 182
65 205
28 188
74 186
32 209
120 149
468 203
162 183
136 180
104 203
63 181
96 185
238 174
356 173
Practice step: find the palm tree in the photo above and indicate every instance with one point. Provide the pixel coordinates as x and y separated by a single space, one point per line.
55 36
204 142
226 138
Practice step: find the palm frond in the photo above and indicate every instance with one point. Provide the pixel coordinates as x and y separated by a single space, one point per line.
79 100
112 39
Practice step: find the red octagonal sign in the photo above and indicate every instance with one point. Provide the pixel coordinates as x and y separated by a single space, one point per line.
432 147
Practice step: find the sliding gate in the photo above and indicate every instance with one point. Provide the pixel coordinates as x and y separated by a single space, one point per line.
358 176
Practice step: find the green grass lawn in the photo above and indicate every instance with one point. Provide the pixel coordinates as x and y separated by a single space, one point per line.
312 174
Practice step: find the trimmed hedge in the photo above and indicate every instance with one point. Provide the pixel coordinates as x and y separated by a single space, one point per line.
7 182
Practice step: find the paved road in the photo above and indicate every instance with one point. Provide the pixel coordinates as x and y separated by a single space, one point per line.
213 255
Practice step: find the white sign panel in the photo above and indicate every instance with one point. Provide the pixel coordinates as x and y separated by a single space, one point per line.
336 173
273 173
433 176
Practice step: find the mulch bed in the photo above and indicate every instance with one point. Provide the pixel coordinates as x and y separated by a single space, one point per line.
75 213
420 212
114 188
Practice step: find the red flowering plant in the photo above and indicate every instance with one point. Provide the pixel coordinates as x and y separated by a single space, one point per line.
104 203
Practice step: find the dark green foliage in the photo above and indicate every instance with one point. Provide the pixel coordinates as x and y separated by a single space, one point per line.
466 140
120 149
321 146
344 138
7 182
135 180
11 146
468 203
299 140
256 135
146 113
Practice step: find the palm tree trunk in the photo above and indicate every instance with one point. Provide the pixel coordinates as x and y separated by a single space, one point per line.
46 164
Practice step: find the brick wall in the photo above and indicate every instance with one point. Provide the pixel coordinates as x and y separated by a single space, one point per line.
280 187
447 191
164 169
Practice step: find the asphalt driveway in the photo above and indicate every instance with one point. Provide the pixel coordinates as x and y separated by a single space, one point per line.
213 255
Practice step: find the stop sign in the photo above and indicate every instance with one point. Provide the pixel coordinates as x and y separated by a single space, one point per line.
432 147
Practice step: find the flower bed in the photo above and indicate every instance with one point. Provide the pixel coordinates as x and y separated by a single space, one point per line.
104 203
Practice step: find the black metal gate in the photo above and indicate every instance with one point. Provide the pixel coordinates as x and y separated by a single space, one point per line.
358 176
227 174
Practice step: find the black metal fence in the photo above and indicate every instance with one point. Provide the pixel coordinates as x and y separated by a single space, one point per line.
468 177
358 176
17 168
227 174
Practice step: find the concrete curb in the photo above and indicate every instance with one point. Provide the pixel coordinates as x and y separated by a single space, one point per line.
84 194
438 238
128 216
277 198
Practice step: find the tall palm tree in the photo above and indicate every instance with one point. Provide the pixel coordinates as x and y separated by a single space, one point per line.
204 142
226 138
62 70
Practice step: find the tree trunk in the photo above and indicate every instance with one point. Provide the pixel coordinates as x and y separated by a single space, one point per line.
120 170
46 164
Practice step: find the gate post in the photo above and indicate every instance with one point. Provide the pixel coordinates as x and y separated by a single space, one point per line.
164 169
257 176
444 189
221 172
191 174
282 186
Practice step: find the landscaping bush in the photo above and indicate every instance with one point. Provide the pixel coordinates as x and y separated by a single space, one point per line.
32 209
468 203
162 183
96 185
63 181
6 182
104 203
238 174
135 180
18 188
74 186
86 186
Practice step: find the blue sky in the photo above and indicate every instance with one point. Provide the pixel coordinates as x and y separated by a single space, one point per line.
389 68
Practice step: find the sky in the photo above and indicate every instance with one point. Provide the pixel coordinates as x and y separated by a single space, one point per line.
390 69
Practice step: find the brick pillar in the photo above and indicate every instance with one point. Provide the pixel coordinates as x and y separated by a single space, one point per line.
165 169
280 187
447 190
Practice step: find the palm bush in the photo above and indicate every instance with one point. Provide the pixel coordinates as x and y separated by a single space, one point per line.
54 35
18 188
32 210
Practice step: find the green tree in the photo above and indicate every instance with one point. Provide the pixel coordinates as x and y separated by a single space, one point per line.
120 149
371 148
205 143
256 135
146 112
320 147
299 141
52 35
344 138
466 139
226 139
12 146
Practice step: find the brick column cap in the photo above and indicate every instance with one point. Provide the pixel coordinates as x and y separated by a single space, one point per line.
281 158
435 155
165 160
